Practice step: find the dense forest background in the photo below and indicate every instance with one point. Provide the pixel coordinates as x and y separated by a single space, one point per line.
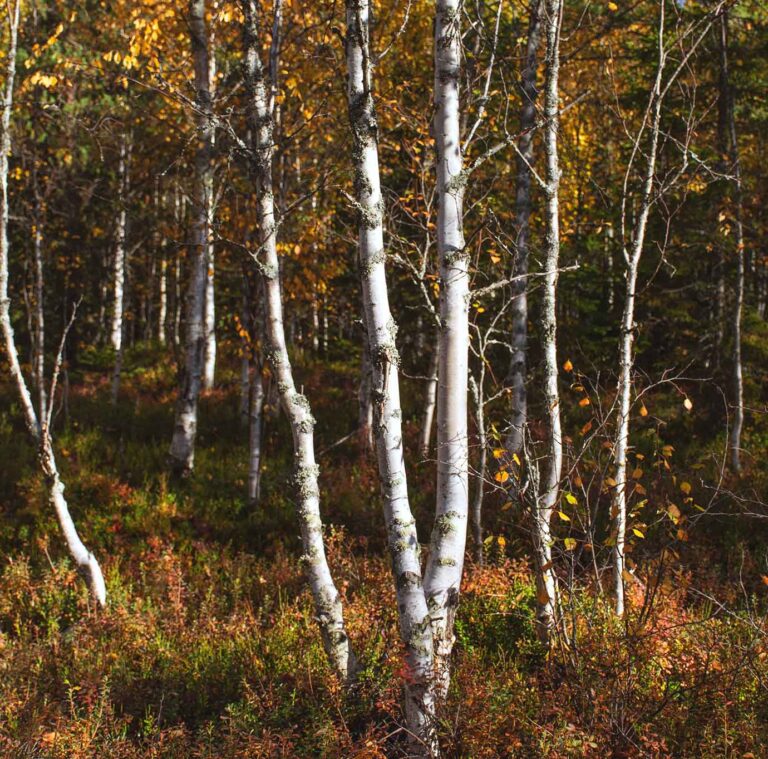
138 290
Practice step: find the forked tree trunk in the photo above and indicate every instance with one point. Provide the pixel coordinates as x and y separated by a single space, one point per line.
626 341
519 307
549 490
327 600
182 452
38 428
385 385
445 565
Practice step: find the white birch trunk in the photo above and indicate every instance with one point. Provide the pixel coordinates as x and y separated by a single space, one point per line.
116 331
626 341
385 385
182 451
549 491
296 406
38 428
519 307
446 557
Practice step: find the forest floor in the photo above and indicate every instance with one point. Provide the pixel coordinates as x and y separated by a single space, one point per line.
208 648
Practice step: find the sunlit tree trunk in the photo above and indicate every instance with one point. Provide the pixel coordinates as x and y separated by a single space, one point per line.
327 600
446 557
519 307
385 386
549 490
38 427
182 452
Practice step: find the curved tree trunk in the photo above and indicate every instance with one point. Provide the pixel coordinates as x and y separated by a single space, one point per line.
38 428
385 386
296 406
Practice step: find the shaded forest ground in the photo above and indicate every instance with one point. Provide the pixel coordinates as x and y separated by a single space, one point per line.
208 646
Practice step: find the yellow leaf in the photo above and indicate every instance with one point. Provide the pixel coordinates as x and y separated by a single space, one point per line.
507 505
637 532
516 459
502 541
563 516
688 403
643 410
571 498
584 402
568 366
570 544
498 453
674 513
501 476
637 474
612 6
685 487
610 482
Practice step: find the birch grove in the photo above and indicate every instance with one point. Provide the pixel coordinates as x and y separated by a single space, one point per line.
454 317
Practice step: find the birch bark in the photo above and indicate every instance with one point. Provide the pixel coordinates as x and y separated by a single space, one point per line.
296 406
546 590
385 385
38 428
519 306
449 535
182 451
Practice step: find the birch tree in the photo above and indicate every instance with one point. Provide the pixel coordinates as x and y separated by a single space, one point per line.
182 451
633 242
549 488
260 113
519 305
384 386
445 563
38 426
